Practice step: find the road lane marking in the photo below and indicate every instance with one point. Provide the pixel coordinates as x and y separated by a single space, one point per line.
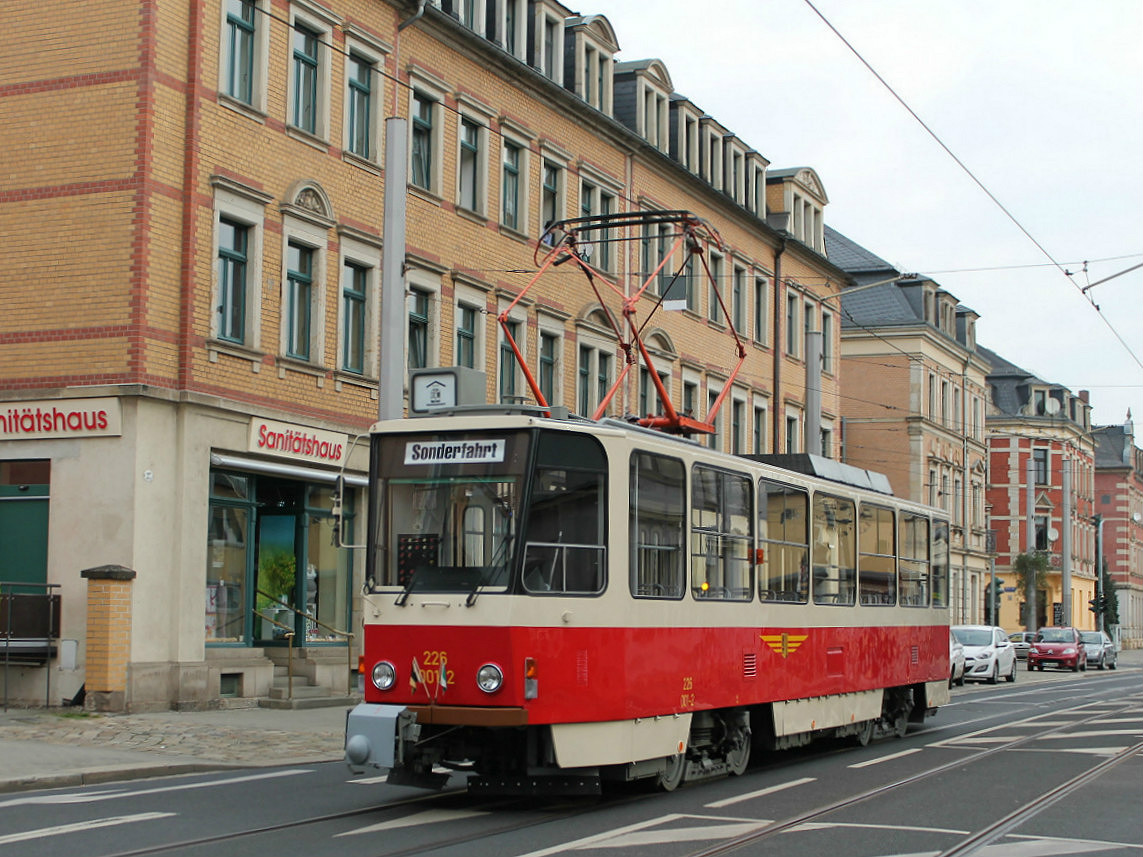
53 799
888 758
641 834
719 804
429 816
80 826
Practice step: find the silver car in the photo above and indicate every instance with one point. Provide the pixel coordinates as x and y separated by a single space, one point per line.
1022 641
1100 649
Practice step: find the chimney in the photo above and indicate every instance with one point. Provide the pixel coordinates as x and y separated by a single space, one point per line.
1085 397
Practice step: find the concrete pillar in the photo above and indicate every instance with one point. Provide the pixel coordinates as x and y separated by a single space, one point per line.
108 636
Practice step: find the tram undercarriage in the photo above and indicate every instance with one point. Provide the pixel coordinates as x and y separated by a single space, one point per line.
533 760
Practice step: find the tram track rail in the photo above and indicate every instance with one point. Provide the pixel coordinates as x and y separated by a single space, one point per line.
967 846
978 839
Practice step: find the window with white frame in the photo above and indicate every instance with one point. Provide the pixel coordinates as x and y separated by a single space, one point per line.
714 440
654 118
654 244
809 320
827 440
714 309
685 146
550 364
239 217
761 306
471 13
364 95
303 289
758 445
712 147
738 298
827 342
737 425
756 184
310 39
360 285
596 199
550 43
594 67
421 306
471 188
510 383
513 27
552 185
734 183
245 48
513 184
793 331
793 431
595 367
426 133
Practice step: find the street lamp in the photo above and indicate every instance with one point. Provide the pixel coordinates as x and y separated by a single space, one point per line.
1100 521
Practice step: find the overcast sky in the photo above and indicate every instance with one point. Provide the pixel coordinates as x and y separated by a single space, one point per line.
1042 100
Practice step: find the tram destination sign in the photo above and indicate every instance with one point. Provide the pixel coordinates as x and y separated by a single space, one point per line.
454 451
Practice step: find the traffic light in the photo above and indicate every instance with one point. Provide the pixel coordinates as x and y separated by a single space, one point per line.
1093 605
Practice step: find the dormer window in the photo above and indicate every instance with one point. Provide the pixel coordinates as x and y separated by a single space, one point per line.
734 182
799 193
756 184
549 58
685 135
712 146
512 27
594 45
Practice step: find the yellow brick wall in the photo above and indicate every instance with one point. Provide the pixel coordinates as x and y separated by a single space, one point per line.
125 245
108 635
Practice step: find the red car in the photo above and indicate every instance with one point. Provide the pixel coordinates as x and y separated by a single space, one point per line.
1059 647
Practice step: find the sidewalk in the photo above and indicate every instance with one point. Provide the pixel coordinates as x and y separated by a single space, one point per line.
66 747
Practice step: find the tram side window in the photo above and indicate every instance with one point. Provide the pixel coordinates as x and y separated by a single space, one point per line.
877 567
940 564
722 517
914 562
834 565
565 551
783 517
658 518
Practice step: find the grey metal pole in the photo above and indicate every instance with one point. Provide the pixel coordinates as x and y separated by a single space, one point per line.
1066 544
1099 573
393 322
1030 501
814 392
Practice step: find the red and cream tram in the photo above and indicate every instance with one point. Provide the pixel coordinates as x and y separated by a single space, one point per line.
555 603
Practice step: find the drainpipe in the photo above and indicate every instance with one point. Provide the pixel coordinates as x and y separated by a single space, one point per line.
779 306
420 11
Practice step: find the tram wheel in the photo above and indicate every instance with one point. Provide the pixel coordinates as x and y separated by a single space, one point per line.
672 775
865 733
738 758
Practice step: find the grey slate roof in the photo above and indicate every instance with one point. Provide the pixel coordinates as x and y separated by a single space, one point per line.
853 258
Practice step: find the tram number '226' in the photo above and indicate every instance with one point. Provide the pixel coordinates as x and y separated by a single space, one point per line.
687 698
431 663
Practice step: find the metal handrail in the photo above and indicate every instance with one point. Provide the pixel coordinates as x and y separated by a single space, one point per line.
11 588
290 636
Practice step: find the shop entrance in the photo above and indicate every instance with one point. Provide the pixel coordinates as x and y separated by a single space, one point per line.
272 565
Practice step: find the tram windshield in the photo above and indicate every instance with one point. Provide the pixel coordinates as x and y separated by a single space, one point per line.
449 504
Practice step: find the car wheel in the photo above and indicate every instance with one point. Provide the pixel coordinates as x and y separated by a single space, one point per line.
1012 672
1031 666
1113 665
1099 666
994 678
1076 666
962 679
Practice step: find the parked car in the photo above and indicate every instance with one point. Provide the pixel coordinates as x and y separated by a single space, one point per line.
1057 647
987 653
956 660
1100 649
1022 641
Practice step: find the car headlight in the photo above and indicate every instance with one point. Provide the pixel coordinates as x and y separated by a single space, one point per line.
1069 651
489 678
384 675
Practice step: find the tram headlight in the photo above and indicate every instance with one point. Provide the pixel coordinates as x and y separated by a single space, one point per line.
384 675
489 678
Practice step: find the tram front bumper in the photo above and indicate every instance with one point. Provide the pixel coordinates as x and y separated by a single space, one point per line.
371 735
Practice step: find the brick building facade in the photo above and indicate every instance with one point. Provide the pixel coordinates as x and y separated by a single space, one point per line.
189 348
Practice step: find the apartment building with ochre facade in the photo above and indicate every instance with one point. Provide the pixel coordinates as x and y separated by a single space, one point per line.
914 405
193 209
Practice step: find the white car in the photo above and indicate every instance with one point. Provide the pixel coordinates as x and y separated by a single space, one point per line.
956 660
988 653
